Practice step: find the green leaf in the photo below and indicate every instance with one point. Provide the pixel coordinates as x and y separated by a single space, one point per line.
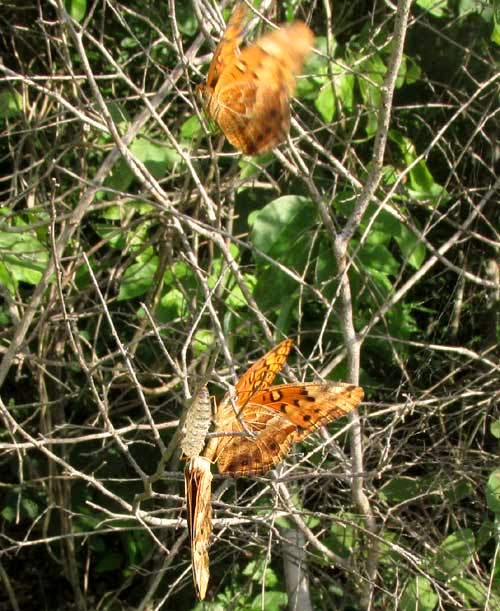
23 256
6 279
495 429
157 158
8 513
411 247
436 8
325 103
422 183
203 339
11 103
174 305
493 492
137 279
272 600
236 298
374 69
277 226
190 129
475 593
343 534
418 595
186 19
495 33
400 490
459 491
455 553
76 8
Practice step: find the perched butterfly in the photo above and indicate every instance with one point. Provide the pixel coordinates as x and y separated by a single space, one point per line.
269 419
198 485
247 92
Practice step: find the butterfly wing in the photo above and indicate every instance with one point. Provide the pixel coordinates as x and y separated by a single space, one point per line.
279 417
244 456
247 93
226 52
251 100
198 485
261 374
258 377
310 405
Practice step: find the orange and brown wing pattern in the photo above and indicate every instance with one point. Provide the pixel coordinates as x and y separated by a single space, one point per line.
226 52
247 93
198 484
261 374
278 418
258 377
269 419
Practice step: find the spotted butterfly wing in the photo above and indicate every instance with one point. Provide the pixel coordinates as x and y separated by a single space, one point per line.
269 420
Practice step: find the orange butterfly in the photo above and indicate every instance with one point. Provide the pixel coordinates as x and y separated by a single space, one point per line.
269 419
247 92
198 485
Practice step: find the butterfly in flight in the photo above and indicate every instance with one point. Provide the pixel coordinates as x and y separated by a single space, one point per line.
247 92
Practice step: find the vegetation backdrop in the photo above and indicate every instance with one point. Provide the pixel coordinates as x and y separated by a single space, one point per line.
140 255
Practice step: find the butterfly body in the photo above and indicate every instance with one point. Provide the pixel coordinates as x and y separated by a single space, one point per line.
247 92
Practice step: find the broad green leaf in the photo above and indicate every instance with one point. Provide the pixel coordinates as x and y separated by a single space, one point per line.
76 8
493 491
495 429
236 298
343 534
190 129
325 103
112 234
374 71
437 8
459 491
203 339
23 257
495 33
271 600
336 91
6 279
411 247
455 553
176 272
137 279
186 19
400 489
174 305
422 183
11 103
158 159
282 230
378 258
277 226
419 595
475 594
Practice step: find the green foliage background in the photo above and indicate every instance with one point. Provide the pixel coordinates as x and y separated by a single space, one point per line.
169 251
